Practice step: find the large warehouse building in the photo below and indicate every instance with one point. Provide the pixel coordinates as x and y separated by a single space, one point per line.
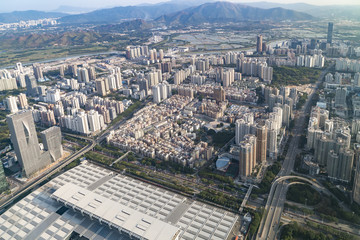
95 203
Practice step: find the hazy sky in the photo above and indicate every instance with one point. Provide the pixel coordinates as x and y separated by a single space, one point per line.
13 5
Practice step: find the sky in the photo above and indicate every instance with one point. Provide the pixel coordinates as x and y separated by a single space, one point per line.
48 5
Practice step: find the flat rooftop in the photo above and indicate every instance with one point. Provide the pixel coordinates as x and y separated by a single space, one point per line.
40 216
114 214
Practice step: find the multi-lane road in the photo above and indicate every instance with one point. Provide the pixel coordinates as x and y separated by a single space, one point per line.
277 196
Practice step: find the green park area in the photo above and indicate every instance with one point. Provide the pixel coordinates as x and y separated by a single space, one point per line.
312 231
304 194
285 75
323 205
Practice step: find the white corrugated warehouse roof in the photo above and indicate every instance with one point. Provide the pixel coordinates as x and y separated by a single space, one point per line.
40 217
114 213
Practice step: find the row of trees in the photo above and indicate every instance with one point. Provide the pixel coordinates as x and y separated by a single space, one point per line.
220 198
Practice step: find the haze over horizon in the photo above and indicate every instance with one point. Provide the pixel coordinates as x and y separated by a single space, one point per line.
45 5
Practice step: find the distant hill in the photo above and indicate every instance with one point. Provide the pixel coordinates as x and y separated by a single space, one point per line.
36 40
301 7
350 12
137 24
225 12
120 14
28 15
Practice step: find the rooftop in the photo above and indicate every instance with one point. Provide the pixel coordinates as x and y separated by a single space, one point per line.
111 197
114 214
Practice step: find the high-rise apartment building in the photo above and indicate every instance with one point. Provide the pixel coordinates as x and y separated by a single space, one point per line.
23 103
92 73
166 67
62 70
339 166
31 86
247 160
94 122
83 75
261 143
101 88
242 127
340 97
245 166
19 67
11 104
38 72
156 94
219 94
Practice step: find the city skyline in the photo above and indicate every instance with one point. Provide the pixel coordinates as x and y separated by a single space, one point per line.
180 120
43 5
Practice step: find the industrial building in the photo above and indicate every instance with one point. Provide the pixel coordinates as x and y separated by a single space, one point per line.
96 203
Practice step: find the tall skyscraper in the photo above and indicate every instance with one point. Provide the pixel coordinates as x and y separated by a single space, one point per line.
25 142
259 43
330 32
261 143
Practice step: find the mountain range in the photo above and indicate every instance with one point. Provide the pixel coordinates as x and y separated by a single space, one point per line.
120 14
190 12
349 12
171 13
229 12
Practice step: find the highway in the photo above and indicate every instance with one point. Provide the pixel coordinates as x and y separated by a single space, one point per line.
275 203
